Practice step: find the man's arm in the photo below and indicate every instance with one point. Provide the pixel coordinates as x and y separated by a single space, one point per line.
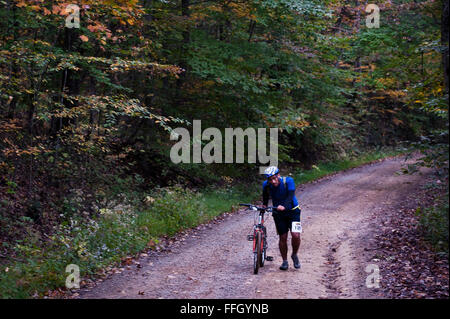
289 200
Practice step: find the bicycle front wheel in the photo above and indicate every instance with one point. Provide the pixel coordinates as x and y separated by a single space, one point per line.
257 252
263 250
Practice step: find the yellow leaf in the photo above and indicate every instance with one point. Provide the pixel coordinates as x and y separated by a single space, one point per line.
56 9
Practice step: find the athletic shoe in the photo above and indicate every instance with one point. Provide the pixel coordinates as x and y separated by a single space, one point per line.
296 261
284 265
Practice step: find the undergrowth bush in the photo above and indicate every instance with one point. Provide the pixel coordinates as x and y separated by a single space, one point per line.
434 221
115 232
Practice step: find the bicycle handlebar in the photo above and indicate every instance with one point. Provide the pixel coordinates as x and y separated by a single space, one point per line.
254 207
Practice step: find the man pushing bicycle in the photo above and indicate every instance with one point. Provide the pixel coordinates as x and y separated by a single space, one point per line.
282 192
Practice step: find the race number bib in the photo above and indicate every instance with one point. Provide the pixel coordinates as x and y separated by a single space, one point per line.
296 227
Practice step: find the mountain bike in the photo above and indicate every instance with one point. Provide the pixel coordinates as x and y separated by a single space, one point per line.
259 236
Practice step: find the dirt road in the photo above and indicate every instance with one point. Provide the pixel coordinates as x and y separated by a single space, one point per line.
215 261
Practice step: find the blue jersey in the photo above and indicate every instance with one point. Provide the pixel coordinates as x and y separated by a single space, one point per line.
280 194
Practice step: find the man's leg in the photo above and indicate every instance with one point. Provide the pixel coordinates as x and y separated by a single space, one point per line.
283 246
295 246
296 240
283 250
282 230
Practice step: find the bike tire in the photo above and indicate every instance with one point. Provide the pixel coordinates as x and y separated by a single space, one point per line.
257 254
263 251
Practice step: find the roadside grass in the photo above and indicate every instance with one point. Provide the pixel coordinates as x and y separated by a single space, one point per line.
121 231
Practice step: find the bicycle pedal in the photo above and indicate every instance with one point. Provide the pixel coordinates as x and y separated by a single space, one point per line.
250 237
269 258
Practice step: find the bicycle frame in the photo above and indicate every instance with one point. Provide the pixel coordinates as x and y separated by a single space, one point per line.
259 227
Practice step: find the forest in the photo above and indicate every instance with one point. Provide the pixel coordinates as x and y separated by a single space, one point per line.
91 90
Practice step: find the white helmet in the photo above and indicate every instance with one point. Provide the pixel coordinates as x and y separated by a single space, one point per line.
271 170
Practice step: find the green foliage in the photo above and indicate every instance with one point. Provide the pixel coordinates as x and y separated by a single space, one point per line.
435 153
116 232
435 223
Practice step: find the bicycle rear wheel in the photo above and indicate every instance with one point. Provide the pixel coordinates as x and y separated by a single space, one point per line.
257 252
